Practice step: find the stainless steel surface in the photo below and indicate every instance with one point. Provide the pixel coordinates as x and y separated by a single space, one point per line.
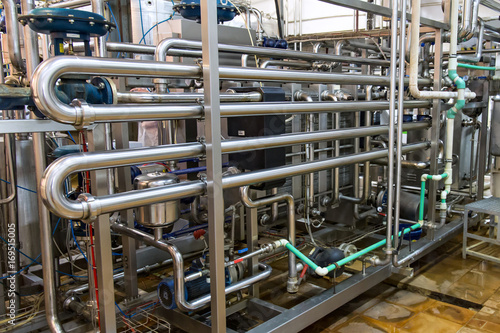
210 66
46 241
13 35
94 206
161 214
292 283
165 45
51 190
177 260
382 11
138 97
399 136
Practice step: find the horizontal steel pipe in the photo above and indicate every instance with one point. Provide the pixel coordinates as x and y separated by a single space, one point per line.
48 72
137 97
162 50
255 177
262 109
137 112
135 48
54 198
279 75
142 97
134 112
265 142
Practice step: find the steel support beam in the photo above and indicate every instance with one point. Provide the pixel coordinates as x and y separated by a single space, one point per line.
382 11
209 38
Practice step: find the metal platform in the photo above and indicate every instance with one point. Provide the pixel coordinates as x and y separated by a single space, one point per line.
490 206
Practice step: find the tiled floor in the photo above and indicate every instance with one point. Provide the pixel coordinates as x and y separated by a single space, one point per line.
448 294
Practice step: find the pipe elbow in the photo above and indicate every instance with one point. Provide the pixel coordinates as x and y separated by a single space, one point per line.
43 90
414 90
52 193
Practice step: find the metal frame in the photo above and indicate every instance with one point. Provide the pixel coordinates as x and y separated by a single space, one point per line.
489 206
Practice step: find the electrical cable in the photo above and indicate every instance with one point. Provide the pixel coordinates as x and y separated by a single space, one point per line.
71 136
76 242
22 188
155 25
116 24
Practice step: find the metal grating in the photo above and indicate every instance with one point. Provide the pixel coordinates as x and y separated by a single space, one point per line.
489 206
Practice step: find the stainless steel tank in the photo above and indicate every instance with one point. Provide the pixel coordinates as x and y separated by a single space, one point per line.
162 214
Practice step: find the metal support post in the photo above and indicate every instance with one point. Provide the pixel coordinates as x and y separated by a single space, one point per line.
252 244
102 233
120 131
435 113
210 65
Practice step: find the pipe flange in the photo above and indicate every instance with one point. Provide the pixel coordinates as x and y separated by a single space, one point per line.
85 114
91 207
67 302
292 285
325 201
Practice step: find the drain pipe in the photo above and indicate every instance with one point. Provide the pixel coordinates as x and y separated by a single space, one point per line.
292 285
414 50
450 123
303 96
327 95
479 46
13 35
392 111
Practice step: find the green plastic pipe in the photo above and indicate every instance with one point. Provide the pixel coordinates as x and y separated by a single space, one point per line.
476 67
325 270
301 256
375 246
422 203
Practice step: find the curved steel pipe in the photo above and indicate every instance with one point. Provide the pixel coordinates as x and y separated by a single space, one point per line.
290 64
57 172
292 284
13 35
53 196
178 265
51 187
48 72
479 47
162 50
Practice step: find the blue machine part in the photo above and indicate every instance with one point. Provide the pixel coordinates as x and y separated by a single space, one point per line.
76 24
276 43
99 91
193 289
66 150
407 118
190 9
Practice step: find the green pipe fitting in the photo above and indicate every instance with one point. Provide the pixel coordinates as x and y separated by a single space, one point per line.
486 68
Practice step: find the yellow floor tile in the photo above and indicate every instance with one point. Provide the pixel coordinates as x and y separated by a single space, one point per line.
451 312
425 323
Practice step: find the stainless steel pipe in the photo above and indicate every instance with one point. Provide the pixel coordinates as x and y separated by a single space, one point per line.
13 35
55 175
47 74
140 97
292 283
88 206
178 264
162 50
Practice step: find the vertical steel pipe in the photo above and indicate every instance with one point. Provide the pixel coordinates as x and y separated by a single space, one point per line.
13 35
